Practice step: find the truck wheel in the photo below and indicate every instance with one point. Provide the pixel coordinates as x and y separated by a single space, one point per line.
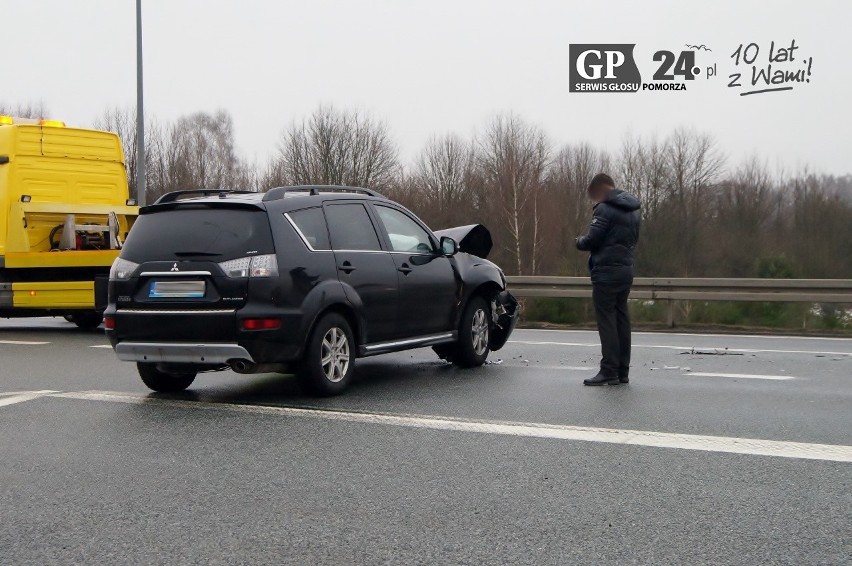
164 382
474 333
329 360
87 320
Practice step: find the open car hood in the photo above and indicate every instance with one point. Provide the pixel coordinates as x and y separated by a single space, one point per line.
474 239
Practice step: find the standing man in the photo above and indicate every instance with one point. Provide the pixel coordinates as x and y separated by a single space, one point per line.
611 241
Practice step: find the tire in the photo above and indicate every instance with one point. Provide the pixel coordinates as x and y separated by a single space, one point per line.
474 334
328 363
164 382
87 320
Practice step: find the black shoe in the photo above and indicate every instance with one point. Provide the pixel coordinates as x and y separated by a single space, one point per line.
623 379
601 379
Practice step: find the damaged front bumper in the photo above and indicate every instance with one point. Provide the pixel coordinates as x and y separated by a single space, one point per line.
505 312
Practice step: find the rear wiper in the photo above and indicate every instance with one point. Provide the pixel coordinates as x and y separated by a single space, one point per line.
207 254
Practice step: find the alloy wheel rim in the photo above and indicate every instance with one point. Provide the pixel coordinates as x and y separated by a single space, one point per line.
335 354
479 332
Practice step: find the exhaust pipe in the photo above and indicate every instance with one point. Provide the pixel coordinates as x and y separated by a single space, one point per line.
246 366
243 366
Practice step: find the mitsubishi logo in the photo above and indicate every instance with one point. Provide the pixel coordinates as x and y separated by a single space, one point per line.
174 268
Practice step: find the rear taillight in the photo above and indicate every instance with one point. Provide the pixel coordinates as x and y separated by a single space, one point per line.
109 323
121 269
257 266
260 323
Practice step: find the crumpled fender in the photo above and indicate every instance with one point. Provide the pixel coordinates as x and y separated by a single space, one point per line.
504 320
474 239
475 270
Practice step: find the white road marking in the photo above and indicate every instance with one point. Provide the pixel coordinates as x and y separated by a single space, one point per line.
549 367
740 375
23 342
698 335
20 396
101 346
732 445
698 349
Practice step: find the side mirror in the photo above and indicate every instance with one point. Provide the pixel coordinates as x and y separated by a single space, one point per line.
449 247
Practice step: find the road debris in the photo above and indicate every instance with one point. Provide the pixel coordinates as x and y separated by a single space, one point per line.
714 352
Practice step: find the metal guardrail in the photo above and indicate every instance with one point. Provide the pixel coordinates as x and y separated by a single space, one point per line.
695 289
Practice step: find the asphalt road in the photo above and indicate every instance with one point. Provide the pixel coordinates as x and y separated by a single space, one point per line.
721 450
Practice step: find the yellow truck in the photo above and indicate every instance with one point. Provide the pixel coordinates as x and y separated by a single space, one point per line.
64 213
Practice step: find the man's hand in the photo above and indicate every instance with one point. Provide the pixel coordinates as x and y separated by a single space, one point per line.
597 231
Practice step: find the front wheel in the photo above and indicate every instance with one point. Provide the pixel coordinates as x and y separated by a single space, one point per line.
472 348
162 381
329 361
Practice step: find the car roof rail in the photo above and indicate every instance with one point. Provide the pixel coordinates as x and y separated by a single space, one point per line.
177 195
279 192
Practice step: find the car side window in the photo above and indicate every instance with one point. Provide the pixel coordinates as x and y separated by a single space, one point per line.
351 228
405 234
311 224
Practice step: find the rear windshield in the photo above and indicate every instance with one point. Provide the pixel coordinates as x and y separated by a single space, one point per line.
216 234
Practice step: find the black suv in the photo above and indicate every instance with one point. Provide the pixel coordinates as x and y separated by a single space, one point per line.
298 278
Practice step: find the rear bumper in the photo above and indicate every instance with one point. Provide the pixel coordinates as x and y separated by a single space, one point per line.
160 352
185 336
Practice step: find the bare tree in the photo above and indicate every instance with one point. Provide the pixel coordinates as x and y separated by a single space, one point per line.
443 174
337 148
196 151
693 166
643 169
202 153
36 110
122 121
746 206
514 156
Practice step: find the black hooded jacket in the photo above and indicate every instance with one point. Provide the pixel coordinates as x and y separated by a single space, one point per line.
612 238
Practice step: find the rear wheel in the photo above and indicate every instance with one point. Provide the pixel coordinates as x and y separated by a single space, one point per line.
329 361
472 348
162 381
87 320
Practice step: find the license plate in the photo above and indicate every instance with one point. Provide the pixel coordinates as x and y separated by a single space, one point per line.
177 290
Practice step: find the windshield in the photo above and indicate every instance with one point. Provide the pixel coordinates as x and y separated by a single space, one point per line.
215 234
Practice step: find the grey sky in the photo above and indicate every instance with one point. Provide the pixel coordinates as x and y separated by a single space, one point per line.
434 66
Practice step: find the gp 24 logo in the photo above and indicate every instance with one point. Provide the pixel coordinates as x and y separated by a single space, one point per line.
611 67
603 67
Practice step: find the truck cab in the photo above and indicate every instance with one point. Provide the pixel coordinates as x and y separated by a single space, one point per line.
65 211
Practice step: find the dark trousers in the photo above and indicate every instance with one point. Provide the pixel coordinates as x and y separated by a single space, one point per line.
613 326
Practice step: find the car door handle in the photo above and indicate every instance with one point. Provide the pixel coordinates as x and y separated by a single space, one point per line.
404 268
346 267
